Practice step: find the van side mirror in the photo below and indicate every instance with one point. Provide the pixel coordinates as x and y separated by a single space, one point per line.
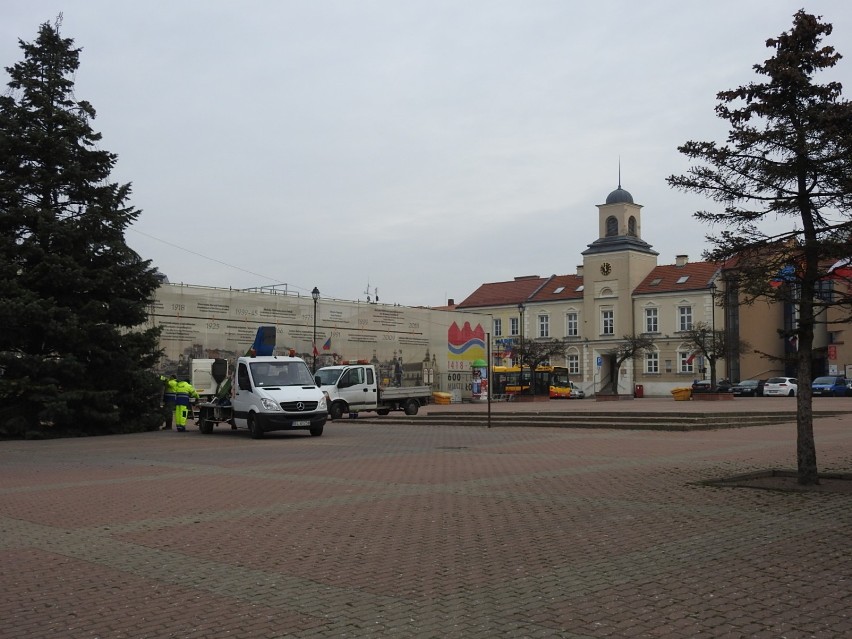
317 381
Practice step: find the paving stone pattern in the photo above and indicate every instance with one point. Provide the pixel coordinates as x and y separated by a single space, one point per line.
391 530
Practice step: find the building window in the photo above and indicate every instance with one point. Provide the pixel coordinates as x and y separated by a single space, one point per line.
652 363
544 326
686 359
498 327
684 314
651 321
572 325
514 323
573 364
611 226
607 322
631 226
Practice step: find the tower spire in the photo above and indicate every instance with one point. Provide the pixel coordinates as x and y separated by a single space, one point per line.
619 171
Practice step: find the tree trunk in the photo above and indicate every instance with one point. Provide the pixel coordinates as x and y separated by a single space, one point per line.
808 473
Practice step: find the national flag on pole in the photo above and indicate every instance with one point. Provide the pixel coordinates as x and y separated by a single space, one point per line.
327 345
316 352
690 359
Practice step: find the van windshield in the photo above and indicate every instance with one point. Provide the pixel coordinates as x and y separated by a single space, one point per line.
292 373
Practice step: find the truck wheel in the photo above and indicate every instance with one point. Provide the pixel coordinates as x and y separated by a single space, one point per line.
316 431
337 409
383 411
411 407
254 429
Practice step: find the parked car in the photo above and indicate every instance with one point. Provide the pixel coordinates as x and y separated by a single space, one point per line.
576 392
701 386
780 387
749 388
704 386
831 386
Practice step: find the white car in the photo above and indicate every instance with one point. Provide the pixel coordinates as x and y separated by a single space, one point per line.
576 392
780 387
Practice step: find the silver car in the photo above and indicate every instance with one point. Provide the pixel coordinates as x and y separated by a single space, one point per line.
780 387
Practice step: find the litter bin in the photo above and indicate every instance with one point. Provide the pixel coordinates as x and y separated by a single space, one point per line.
638 390
682 394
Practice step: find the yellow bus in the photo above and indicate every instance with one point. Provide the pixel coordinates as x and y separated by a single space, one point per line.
549 380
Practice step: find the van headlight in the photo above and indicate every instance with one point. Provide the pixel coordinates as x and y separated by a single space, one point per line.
269 404
322 404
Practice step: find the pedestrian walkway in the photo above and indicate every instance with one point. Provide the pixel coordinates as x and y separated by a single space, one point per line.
384 529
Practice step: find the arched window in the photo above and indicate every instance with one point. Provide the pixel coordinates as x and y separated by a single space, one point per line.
631 226
611 226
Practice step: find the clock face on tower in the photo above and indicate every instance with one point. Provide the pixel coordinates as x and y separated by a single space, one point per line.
606 268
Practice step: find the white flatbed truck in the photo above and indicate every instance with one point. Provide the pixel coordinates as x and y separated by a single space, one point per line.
354 388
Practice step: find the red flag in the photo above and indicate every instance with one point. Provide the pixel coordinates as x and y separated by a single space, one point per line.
316 352
690 359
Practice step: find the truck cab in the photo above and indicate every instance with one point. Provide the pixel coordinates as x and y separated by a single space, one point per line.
277 393
352 387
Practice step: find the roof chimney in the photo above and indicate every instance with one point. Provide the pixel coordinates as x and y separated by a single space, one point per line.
579 270
451 302
681 260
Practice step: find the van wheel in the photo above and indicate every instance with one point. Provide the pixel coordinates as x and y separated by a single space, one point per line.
316 431
254 429
337 409
384 411
411 407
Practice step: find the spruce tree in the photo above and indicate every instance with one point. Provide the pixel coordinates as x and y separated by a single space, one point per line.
788 155
73 295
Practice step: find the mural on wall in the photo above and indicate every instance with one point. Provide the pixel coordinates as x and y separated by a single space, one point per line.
465 345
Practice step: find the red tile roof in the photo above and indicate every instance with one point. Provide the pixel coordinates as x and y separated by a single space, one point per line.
670 278
504 293
559 288
663 279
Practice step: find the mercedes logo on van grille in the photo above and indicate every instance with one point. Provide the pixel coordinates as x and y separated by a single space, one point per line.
300 406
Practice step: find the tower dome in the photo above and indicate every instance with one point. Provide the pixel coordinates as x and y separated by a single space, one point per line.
619 196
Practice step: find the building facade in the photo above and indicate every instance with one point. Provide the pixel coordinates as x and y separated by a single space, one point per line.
620 290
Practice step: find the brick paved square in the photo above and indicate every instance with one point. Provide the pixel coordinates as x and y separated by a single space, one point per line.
385 529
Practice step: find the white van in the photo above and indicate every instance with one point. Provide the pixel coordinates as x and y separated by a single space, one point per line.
269 393
277 393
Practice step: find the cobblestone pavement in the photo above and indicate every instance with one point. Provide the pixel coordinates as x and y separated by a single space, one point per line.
384 530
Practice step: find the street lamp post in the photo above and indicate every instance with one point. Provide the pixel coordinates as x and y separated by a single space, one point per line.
521 308
315 294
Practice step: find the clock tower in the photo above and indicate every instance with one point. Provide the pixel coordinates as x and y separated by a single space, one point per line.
613 266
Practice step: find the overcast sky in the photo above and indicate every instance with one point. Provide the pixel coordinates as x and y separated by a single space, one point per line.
418 147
